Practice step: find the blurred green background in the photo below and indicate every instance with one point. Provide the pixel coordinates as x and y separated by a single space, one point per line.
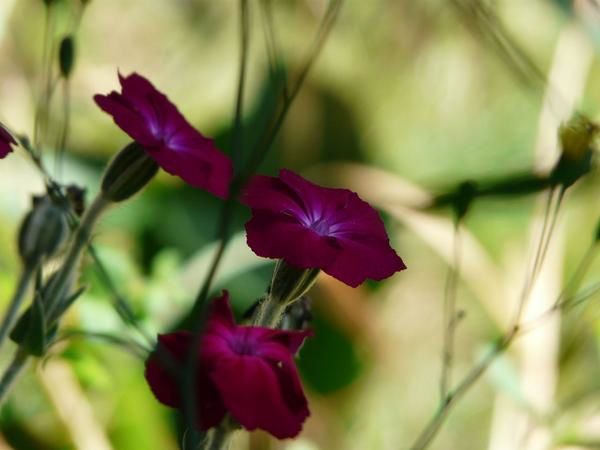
407 98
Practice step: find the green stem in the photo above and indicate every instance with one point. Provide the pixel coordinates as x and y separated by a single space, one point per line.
60 284
218 438
16 302
270 313
11 373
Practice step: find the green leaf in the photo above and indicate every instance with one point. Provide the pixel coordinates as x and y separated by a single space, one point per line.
328 361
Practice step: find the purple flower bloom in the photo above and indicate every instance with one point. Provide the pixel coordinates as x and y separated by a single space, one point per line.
6 140
310 226
248 372
153 121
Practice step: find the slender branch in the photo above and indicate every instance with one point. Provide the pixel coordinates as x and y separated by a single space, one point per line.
15 303
218 438
11 373
429 432
259 151
273 54
244 43
450 317
549 222
59 285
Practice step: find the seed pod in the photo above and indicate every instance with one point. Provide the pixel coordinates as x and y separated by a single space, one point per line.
128 172
43 231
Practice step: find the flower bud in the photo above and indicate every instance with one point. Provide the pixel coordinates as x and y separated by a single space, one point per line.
66 56
128 172
576 139
43 231
290 283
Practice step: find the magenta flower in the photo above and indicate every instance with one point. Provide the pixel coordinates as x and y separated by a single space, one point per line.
310 226
6 140
248 372
153 121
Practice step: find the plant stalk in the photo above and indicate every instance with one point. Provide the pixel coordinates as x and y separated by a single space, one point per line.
15 303
12 372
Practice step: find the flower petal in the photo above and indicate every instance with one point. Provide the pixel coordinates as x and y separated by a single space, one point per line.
5 142
161 373
262 394
150 118
125 117
274 235
310 226
201 166
163 364
288 340
359 260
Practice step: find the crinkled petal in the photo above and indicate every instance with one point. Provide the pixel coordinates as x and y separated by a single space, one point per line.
274 235
315 227
125 117
273 341
162 372
197 161
262 394
163 365
150 118
271 194
359 260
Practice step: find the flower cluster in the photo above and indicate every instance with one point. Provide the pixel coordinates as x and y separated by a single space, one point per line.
247 372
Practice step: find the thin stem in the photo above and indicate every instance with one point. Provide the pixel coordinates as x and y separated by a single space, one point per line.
46 65
550 216
264 143
12 372
258 153
438 419
564 300
450 317
275 63
218 438
15 303
121 305
64 132
60 284
244 43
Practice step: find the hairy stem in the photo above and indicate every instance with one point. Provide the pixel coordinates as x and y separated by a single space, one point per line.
218 438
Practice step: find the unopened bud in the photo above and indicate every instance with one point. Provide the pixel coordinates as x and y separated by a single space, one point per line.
577 144
128 172
66 56
576 136
290 283
43 231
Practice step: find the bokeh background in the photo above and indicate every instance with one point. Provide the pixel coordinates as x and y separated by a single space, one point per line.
407 99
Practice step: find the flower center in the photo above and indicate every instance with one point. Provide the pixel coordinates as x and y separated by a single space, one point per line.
320 226
243 344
